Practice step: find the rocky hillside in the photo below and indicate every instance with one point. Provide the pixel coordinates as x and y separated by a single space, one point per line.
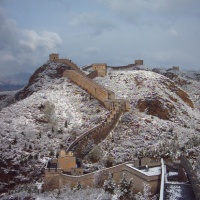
163 120
187 80
51 111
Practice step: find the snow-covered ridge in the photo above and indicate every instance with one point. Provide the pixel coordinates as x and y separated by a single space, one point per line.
53 115
145 133
51 112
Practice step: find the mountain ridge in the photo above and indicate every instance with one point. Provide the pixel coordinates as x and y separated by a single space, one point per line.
51 111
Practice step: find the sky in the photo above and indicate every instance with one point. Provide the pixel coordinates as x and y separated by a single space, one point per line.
163 33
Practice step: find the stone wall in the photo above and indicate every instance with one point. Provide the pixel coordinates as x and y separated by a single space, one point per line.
84 144
175 68
86 180
139 62
53 56
101 68
93 74
69 63
110 104
89 85
122 67
52 179
195 182
67 163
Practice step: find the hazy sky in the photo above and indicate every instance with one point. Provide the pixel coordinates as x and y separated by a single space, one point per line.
161 32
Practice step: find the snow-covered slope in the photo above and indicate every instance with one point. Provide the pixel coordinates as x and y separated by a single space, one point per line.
162 120
53 114
188 80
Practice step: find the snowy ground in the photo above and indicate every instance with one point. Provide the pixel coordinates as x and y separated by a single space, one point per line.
35 127
58 111
147 135
152 171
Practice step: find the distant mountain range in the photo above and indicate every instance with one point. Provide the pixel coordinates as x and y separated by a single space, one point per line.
14 82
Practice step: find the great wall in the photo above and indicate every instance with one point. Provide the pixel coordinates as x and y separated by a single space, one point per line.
83 144
55 178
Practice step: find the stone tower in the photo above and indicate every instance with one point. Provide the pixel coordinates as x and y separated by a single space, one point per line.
139 62
101 68
53 56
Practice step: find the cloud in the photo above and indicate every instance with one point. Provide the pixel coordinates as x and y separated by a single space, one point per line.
91 22
34 41
22 50
155 10
173 32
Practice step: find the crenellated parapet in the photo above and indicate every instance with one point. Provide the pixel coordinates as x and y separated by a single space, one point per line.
55 58
56 180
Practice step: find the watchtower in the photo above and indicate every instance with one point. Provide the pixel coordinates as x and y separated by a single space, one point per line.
101 68
53 56
138 62
175 68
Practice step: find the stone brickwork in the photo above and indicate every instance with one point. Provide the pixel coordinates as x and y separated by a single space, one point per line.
175 68
66 161
139 62
93 74
101 68
89 85
53 56
117 171
84 144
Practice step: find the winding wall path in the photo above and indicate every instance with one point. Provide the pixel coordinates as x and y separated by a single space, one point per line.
84 143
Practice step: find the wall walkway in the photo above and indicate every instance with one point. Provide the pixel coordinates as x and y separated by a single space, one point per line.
84 144
71 64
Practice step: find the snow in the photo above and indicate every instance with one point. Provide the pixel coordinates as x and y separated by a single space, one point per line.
152 171
172 173
28 131
174 192
139 133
